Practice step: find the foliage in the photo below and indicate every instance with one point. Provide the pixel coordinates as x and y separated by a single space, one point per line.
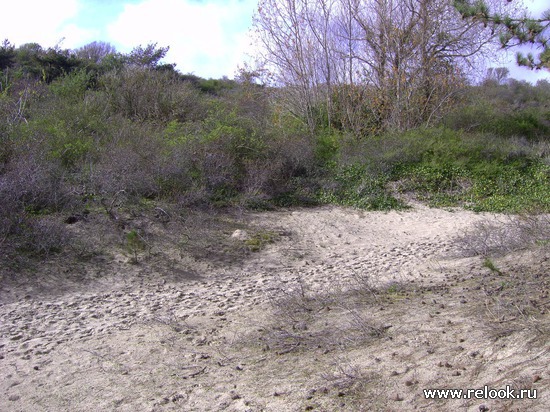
135 244
480 172
516 30
145 95
216 86
73 86
148 56
47 65
7 55
354 186
511 108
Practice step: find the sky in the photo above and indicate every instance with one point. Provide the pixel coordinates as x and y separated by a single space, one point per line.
206 37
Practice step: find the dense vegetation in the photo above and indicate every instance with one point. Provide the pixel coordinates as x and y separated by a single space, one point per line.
91 130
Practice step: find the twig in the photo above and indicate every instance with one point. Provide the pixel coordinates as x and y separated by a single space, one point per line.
164 213
109 209
194 374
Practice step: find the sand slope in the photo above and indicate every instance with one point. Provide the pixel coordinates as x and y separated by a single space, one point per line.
347 310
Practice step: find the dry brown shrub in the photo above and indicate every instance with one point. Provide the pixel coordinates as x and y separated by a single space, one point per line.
125 169
130 162
307 319
514 294
30 184
44 236
514 233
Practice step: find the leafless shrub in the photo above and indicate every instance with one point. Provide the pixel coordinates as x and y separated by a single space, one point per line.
541 149
362 326
123 168
263 181
34 182
197 197
29 185
174 171
130 162
346 375
111 203
364 286
364 389
296 311
516 233
10 211
218 169
313 319
260 175
514 295
295 152
44 236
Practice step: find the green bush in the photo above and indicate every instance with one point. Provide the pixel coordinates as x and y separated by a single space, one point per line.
327 146
148 95
352 185
512 188
73 86
480 171
512 109
142 132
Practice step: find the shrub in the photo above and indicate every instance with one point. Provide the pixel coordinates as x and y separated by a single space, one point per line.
327 146
444 167
43 236
130 162
511 234
353 186
512 109
33 183
143 94
72 87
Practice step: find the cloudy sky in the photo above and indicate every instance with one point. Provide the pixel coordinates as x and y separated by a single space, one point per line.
206 37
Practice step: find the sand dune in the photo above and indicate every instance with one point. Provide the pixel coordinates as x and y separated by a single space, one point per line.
346 310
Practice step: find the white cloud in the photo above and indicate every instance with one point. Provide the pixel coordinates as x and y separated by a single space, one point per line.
38 21
207 38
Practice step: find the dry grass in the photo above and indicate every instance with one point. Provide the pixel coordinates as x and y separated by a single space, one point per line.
514 295
512 234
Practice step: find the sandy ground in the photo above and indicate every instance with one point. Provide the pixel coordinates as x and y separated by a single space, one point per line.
347 310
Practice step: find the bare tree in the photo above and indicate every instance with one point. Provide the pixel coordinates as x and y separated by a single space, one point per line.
95 51
394 63
288 49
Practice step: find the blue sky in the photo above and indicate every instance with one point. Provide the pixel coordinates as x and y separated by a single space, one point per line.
206 37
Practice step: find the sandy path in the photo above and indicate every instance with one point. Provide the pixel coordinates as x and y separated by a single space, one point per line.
135 341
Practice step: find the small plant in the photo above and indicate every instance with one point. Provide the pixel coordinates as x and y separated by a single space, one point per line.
135 243
489 264
505 285
392 289
260 240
